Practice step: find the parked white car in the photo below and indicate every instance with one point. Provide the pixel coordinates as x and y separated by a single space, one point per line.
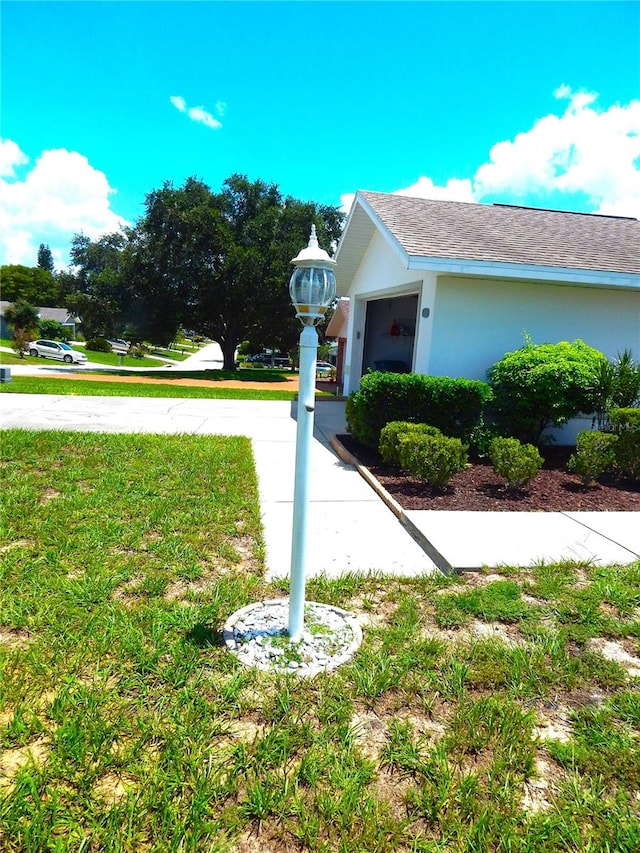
119 346
57 350
324 369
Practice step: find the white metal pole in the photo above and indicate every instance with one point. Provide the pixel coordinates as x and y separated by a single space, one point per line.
304 437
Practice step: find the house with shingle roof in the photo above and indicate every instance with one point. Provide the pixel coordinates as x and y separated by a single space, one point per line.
447 288
60 315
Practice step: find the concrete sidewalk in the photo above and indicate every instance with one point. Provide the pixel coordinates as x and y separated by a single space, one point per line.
462 540
352 528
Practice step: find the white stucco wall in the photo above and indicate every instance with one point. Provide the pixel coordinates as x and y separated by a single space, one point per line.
382 273
476 321
472 322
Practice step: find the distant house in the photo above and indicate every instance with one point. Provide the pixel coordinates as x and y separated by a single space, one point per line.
61 315
446 288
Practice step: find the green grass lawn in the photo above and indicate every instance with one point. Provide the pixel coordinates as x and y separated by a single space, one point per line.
85 387
10 358
113 359
211 375
105 358
174 355
480 714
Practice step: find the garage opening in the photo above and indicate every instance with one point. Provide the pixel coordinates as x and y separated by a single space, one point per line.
389 334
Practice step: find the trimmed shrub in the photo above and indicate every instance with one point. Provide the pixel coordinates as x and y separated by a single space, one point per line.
433 458
595 452
624 419
626 425
628 454
543 384
53 330
454 406
98 345
517 463
393 434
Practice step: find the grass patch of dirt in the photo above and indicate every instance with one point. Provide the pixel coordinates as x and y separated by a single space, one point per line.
495 709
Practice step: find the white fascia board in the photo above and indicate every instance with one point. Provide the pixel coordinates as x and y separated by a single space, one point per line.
352 211
384 231
495 269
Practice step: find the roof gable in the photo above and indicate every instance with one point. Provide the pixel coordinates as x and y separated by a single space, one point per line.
61 315
427 228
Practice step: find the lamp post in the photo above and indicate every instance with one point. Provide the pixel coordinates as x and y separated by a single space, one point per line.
312 288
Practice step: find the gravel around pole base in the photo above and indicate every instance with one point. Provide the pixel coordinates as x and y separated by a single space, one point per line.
258 636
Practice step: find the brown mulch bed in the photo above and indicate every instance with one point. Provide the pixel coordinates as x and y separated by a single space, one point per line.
478 488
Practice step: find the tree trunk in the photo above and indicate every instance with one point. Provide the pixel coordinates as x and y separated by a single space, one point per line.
229 354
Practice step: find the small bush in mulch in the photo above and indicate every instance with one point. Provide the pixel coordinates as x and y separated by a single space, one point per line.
595 452
394 433
517 463
626 425
479 488
433 458
628 454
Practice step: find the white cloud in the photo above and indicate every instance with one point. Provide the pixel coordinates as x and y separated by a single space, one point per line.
10 157
179 103
586 150
199 114
346 200
61 195
455 189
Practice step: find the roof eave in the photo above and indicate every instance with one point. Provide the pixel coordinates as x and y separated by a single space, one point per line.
532 272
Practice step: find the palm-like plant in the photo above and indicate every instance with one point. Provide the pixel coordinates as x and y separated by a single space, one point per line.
615 384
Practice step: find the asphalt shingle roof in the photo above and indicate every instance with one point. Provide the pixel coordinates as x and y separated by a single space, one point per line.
509 234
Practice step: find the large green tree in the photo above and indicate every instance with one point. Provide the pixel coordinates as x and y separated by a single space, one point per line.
45 258
33 284
22 316
220 262
95 291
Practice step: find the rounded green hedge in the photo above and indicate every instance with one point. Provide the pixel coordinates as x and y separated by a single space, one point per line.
454 406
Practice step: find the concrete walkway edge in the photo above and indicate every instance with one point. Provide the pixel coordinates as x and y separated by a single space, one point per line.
439 559
467 541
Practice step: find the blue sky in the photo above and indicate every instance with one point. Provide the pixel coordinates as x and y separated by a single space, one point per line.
531 103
